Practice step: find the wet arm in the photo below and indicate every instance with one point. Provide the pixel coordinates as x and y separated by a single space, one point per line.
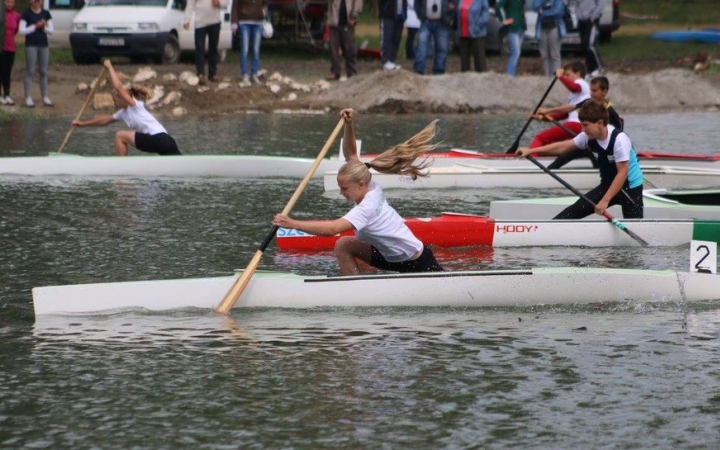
554 149
96 122
319 228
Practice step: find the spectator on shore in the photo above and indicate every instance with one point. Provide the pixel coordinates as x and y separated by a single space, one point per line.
511 14
412 25
471 28
392 20
342 18
35 24
549 31
207 26
9 25
588 14
247 18
437 18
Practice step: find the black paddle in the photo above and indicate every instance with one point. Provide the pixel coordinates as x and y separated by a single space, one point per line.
513 148
606 214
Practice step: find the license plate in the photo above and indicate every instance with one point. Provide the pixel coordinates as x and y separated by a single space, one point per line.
111 42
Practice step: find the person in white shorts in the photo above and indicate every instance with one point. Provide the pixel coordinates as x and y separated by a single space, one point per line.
382 239
146 133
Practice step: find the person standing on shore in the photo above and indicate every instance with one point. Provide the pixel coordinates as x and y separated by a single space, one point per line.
9 24
511 14
471 28
35 24
146 133
412 25
549 31
247 18
342 18
588 13
207 26
392 20
437 18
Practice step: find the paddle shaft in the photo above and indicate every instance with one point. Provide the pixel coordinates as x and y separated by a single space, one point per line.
82 110
605 214
513 148
241 283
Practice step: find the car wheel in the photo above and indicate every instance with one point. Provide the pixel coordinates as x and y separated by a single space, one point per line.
171 51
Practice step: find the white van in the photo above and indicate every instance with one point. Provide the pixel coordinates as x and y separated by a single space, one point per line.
63 12
136 29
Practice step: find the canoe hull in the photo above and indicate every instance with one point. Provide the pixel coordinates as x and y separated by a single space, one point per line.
545 208
459 230
485 177
257 166
545 286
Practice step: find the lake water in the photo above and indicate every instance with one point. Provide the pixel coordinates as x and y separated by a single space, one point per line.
627 375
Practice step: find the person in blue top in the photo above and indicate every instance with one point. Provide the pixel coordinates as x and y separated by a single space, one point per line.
549 31
471 28
620 173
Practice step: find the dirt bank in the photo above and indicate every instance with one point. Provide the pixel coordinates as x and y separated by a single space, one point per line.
299 86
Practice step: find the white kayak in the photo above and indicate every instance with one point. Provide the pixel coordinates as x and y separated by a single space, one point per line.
487 177
658 204
524 287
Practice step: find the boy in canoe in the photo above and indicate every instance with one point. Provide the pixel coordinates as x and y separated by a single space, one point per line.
145 133
572 76
599 87
620 172
382 239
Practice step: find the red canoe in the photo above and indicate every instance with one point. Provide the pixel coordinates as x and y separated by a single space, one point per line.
448 230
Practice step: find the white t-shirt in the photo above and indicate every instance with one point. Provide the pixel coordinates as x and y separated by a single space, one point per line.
621 152
139 119
576 97
411 21
378 224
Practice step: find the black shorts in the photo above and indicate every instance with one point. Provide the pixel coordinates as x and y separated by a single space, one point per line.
161 143
425 263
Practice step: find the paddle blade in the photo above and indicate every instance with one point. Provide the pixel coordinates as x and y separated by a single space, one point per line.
239 285
622 226
513 148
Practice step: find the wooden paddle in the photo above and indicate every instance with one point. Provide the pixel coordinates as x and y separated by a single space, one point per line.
513 148
82 110
242 281
606 214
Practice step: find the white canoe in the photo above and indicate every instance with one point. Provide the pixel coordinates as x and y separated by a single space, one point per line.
258 166
203 166
538 286
486 177
655 207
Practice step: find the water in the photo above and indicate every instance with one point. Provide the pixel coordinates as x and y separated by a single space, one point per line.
627 375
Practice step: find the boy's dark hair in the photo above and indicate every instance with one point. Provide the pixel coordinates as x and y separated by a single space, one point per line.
602 82
592 112
577 67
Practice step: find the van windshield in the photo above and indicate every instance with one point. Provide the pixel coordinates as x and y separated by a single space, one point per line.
161 3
